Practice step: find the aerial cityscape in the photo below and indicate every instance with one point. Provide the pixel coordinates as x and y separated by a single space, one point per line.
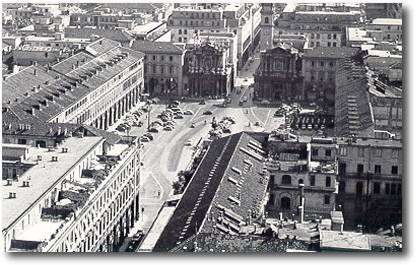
202 127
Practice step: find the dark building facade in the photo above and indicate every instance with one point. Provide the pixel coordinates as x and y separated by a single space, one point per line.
278 76
208 72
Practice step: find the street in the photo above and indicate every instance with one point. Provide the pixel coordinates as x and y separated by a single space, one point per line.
167 154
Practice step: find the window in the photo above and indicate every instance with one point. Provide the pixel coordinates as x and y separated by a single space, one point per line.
387 188
326 199
312 180
154 58
329 36
334 44
154 69
185 31
360 168
286 180
328 152
180 39
360 152
162 70
162 58
399 189
318 44
376 188
322 64
285 203
393 189
331 64
21 141
180 32
312 63
328 182
395 153
359 188
343 151
170 69
170 58
318 36
312 36
329 44
394 170
377 169
314 151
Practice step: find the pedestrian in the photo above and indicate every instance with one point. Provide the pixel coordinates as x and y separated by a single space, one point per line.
205 122
158 193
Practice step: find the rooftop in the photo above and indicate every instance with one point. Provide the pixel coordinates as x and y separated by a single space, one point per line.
387 21
42 175
156 47
331 52
85 33
345 241
146 28
226 189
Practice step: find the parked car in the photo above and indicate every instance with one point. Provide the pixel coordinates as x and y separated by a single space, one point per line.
189 142
202 102
188 112
154 129
168 128
121 128
178 117
226 130
149 135
144 139
193 125
207 112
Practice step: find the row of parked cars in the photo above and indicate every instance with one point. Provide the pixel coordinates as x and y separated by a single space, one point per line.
133 119
165 121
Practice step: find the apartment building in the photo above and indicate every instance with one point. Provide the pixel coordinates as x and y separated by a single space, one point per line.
187 22
163 67
318 70
77 197
370 175
323 24
95 86
303 172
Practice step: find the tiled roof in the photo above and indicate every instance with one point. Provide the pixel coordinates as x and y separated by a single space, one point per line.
156 47
49 92
218 189
15 85
101 46
40 129
112 34
59 130
353 112
66 65
331 52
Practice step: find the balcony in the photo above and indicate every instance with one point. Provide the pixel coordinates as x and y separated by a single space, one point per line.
299 166
307 188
